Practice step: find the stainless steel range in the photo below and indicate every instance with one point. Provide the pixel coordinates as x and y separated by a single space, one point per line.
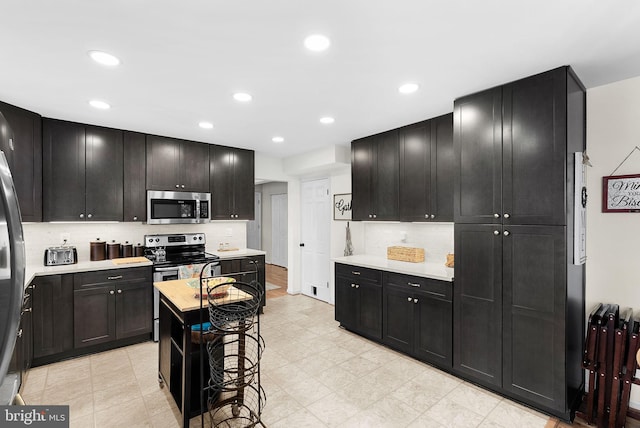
176 256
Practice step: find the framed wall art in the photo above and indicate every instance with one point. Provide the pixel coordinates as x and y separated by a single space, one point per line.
342 206
621 193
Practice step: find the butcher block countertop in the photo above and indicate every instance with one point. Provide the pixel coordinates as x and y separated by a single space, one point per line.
431 270
183 296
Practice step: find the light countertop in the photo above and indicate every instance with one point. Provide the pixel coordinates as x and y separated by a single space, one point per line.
245 252
431 270
186 299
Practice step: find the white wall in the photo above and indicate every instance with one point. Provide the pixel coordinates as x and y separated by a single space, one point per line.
613 252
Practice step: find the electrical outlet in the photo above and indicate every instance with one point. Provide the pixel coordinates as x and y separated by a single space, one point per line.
228 232
65 238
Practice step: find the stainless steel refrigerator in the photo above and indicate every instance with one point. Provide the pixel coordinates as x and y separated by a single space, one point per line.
12 266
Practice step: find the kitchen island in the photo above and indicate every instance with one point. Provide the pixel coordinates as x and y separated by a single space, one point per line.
183 366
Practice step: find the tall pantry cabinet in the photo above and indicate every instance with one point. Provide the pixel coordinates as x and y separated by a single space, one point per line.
518 297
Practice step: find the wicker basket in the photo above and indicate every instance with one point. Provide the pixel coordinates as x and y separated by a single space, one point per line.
406 254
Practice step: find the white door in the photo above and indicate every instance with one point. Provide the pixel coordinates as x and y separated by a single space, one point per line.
279 230
315 224
254 227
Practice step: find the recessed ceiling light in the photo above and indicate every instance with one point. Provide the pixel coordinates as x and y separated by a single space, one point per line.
327 120
104 58
317 42
99 104
242 97
408 88
206 125
277 139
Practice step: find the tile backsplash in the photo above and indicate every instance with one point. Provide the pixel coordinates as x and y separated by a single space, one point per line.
39 236
435 238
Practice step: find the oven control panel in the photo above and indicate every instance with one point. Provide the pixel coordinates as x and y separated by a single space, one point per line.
174 240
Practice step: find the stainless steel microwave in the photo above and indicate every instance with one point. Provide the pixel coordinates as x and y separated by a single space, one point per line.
178 207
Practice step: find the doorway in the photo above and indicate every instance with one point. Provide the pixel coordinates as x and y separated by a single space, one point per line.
315 230
254 227
279 230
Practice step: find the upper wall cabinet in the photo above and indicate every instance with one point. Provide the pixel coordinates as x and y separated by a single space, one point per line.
25 159
374 177
135 188
82 172
511 149
232 183
177 165
426 170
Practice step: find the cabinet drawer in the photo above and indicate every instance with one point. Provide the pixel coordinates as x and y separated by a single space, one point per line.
361 273
89 279
440 289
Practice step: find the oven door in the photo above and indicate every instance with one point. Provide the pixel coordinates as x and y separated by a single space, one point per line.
160 274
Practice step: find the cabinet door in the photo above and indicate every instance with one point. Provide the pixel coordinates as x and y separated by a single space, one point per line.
135 188
221 170
535 302
346 303
163 159
103 174
52 314
386 177
415 172
94 311
477 310
433 328
442 168
194 167
477 140
63 171
398 318
134 308
244 184
534 150
362 166
369 297
25 159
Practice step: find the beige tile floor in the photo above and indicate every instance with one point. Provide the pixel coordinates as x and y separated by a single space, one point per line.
314 374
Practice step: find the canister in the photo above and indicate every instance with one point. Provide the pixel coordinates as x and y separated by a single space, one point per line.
97 250
138 250
127 249
113 250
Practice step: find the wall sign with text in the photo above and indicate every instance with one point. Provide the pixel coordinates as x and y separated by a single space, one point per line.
621 193
342 206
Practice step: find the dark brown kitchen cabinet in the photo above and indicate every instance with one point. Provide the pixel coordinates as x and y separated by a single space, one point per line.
24 157
233 183
246 269
375 177
52 315
178 165
511 148
135 188
110 305
426 170
519 297
359 300
82 172
417 317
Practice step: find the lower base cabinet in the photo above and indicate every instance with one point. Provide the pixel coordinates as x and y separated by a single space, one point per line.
359 300
52 315
417 317
246 269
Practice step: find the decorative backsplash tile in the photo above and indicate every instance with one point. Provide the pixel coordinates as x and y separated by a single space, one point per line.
435 238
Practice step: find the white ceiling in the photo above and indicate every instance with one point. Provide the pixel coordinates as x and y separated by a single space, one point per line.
183 60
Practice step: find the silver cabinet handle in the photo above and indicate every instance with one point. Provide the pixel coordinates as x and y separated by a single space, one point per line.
370 216
135 218
231 215
408 299
112 278
426 216
495 232
374 216
355 272
413 284
433 216
357 285
111 292
506 215
20 333
496 215
89 215
177 186
27 310
353 286
506 233
119 291
415 300
182 185
81 215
